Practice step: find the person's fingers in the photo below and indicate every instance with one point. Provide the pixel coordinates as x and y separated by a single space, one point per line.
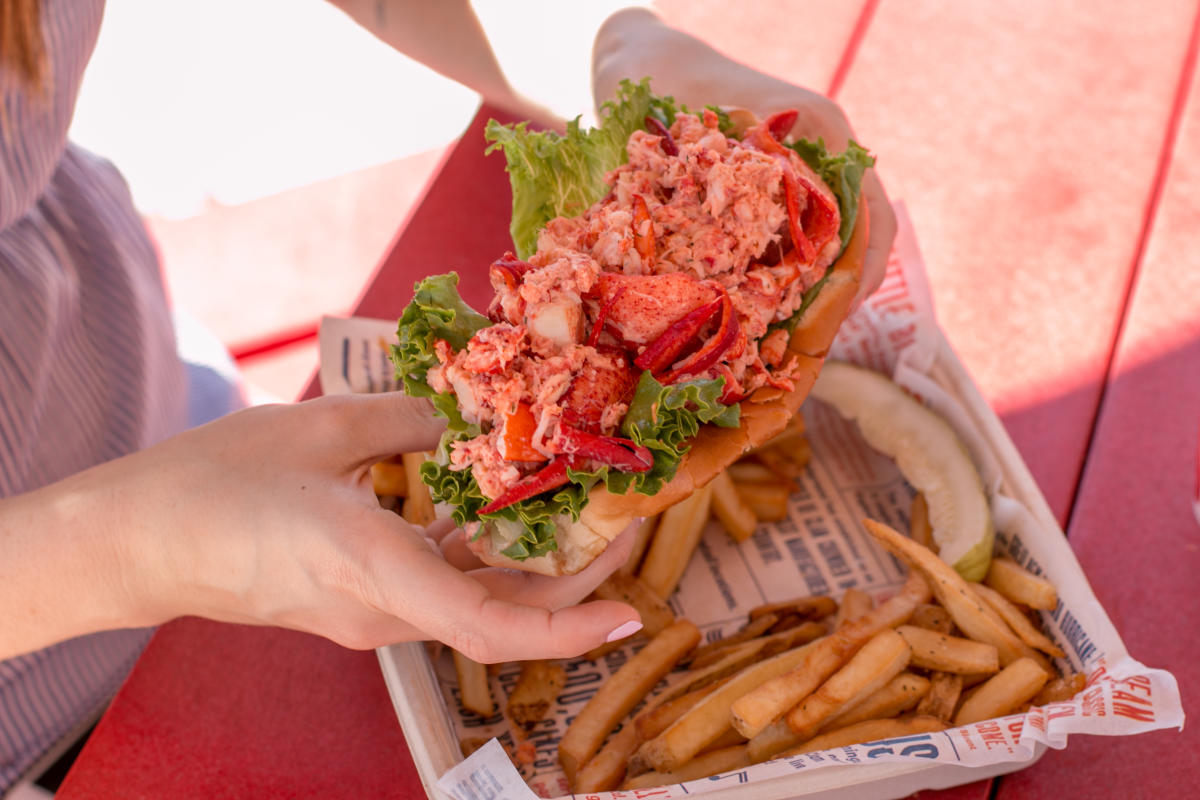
556 592
360 429
439 529
881 235
457 552
418 586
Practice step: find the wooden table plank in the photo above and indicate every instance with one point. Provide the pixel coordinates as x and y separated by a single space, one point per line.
217 710
1133 527
1024 138
800 41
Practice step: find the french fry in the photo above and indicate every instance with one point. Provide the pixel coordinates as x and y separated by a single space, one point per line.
934 618
1008 690
793 431
1021 586
902 693
751 630
418 505
855 603
470 744
765 646
723 760
1020 624
388 478
600 651
678 533
535 692
938 651
809 607
656 614
718 664
750 472
877 662
769 501
953 592
641 541
786 622
770 699
621 693
473 686
652 721
872 730
605 770
727 739
945 688
775 738
616 760
1060 689
709 718
737 517
788 460
919 528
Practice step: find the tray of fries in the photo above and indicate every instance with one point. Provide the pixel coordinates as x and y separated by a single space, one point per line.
795 644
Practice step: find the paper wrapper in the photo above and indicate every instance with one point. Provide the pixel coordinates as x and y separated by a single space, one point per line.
822 549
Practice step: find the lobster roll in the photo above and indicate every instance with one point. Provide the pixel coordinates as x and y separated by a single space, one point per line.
676 281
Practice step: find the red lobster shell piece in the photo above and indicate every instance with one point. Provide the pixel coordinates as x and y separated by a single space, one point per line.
668 144
548 477
622 454
578 448
506 274
813 216
507 271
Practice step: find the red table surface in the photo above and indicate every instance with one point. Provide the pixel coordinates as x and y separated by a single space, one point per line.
1047 153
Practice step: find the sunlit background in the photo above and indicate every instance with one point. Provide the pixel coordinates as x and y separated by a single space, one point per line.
275 146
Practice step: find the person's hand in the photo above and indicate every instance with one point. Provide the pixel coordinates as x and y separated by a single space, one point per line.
634 43
268 517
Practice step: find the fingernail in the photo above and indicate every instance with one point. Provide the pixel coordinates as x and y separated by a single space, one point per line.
622 631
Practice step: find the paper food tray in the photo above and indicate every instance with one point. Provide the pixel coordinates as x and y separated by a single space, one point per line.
819 549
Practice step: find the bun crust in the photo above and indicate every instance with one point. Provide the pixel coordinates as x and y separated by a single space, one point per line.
763 415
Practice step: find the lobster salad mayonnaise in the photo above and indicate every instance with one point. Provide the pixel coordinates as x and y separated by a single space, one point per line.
661 263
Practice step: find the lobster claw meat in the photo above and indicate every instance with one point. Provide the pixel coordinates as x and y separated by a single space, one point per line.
642 307
548 477
710 352
622 454
660 353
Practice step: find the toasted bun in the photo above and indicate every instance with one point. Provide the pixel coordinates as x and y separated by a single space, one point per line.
763 415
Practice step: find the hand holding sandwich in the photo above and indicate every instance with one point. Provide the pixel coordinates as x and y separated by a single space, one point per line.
268 517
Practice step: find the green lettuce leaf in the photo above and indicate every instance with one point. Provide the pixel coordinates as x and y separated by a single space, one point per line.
532 523
553 175
436 312
664 419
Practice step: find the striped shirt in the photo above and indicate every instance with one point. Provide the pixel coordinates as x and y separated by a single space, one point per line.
88 362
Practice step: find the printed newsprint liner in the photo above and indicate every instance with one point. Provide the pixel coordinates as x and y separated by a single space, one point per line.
820 549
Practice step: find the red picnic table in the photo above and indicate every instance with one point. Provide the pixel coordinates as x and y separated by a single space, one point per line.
1049 156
